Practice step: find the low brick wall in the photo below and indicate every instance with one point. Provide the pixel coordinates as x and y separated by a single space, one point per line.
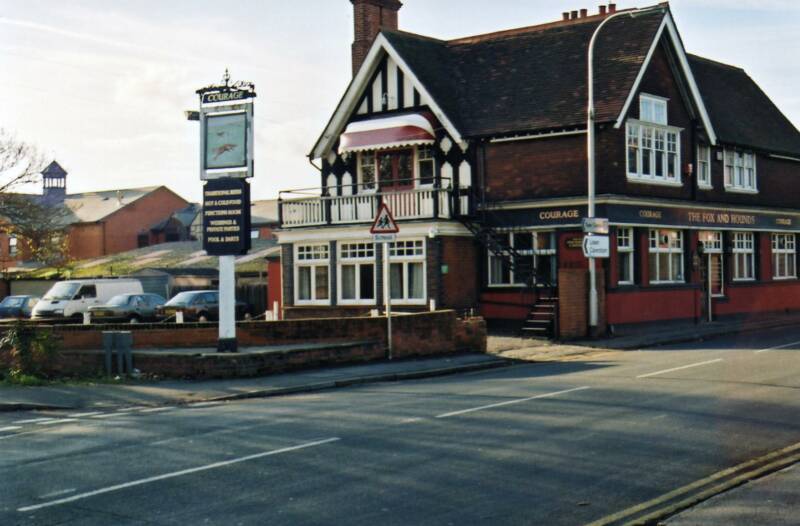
330 341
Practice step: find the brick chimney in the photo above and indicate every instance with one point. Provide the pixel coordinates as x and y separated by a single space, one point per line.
370 16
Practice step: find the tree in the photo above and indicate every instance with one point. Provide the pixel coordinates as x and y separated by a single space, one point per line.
40 228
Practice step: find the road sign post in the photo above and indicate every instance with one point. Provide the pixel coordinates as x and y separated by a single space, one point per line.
384 230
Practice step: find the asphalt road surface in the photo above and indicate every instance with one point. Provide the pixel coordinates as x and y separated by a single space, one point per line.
553 443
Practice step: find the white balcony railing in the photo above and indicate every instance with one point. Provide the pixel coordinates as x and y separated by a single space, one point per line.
418 203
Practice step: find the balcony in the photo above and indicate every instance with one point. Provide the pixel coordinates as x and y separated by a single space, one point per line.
405 204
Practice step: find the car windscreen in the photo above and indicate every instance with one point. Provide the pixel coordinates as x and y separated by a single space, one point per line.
62 291
120 300
13 301
183 298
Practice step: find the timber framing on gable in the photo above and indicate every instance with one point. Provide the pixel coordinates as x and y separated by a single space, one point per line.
357 94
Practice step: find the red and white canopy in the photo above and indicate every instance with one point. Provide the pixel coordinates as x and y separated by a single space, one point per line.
387 132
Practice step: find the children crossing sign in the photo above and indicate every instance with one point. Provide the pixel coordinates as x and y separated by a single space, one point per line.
384 227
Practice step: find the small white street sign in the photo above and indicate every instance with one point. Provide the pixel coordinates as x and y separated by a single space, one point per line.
596 247
379 238
595 225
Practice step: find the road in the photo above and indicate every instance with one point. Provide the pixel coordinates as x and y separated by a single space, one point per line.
550 443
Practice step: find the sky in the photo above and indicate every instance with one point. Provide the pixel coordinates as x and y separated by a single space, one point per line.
101 85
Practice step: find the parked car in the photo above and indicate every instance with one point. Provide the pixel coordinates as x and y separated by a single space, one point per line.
132 308
70 299
198 305
17 306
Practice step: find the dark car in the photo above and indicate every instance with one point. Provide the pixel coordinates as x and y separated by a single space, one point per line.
17 306
198 305
131 308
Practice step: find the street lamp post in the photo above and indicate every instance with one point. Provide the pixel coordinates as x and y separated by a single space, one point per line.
590 140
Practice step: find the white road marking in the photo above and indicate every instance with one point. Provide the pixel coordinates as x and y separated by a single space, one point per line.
509 402
204 404
15 435
32 420
10 428
778 347
83 415
410 420
174 474
56 493
110 415
679 368
57 421
156 409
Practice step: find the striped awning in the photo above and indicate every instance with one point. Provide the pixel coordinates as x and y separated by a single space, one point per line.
387 132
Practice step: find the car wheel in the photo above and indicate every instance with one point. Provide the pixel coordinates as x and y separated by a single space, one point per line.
248 316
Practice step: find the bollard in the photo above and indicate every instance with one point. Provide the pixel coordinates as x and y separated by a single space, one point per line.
433 305
275 315
179 316
108 347
123 341
87 318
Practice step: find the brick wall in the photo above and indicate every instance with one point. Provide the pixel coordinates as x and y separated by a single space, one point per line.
123 227
342 340
573 303
460 285
85 240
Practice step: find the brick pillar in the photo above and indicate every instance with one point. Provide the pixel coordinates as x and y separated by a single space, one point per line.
573 303
287 265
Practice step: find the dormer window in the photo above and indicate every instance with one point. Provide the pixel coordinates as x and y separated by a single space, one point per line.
740 171
653 147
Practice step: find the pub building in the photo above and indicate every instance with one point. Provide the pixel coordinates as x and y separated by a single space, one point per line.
478 145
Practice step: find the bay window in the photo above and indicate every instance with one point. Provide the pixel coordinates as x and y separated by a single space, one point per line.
407 272
311 274
653 147
356 273
743 256
625 256
703 166
783 256
666 256
740 171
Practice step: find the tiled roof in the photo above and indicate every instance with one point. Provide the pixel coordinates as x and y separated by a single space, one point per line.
531 78
88 207
741 113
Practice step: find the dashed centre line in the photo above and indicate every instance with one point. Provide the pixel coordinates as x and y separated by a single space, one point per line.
510 402
648 375
57 421
174 474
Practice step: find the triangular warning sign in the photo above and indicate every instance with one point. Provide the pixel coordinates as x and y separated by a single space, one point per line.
384 222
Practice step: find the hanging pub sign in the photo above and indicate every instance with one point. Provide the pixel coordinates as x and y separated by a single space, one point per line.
226 217
226 130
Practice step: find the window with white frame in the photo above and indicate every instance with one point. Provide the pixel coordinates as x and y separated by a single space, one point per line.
12 246
666 256
366 170
356 273
653 147
703 166
407 271
425 165
740 171
783 256
744 256
500 271
625 255
312 282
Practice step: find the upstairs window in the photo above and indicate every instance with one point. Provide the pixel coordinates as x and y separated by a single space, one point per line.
366 170
653 147
425 165
740 171
703 166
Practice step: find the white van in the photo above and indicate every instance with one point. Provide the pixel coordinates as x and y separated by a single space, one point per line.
68 299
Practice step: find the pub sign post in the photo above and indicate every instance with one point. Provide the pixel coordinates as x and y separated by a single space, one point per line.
226 162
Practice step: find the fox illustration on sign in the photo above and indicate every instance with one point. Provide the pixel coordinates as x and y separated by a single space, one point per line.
384 222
